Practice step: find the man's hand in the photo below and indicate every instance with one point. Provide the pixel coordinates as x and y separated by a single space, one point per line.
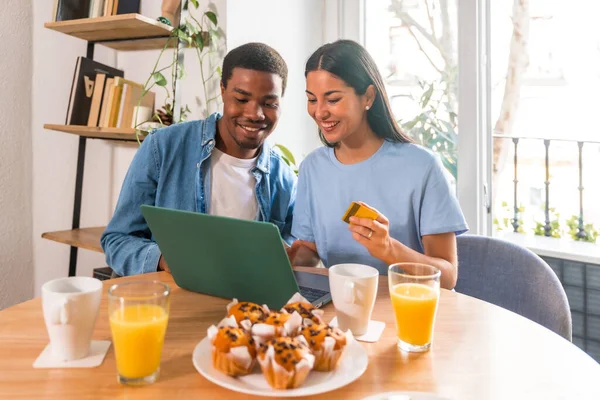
162 265
303 254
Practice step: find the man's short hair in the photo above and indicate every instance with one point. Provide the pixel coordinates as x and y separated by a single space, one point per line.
257 57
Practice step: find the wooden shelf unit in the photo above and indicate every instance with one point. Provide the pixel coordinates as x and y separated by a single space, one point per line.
84 238
124 32
94 132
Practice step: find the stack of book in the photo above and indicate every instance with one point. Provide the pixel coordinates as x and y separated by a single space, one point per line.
65 10
101 97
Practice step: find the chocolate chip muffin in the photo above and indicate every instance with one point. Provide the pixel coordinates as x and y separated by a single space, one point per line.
246 311
233 350
306 310
327 344
285 362
276 324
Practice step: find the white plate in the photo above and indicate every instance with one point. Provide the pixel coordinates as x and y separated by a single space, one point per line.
405 396
352 365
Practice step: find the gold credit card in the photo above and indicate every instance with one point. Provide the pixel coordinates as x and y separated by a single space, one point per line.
360 211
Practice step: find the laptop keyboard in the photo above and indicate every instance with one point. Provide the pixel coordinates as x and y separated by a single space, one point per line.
311 294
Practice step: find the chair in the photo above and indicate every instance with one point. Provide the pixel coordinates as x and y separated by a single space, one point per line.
512 277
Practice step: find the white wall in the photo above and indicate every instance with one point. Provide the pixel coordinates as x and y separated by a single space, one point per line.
295 29
55 153
16 266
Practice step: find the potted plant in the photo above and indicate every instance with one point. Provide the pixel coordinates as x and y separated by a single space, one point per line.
202 36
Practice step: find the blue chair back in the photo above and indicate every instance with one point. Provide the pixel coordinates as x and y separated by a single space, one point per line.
513 277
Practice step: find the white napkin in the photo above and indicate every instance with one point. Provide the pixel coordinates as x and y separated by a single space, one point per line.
98 350
373 334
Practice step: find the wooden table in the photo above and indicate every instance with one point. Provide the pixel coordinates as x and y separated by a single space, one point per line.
480 352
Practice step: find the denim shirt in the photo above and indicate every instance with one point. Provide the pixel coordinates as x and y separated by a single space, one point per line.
171 169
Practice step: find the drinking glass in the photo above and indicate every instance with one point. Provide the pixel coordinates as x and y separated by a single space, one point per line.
138 313
415 292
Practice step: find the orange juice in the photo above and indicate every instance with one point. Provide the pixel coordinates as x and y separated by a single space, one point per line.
138 333
414 305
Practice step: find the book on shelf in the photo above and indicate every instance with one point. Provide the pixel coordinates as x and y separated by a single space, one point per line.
114 7
96 105
54 10
82 88
114 103
132 98
128 6
96 8
108 7
104 107
65 10
123 96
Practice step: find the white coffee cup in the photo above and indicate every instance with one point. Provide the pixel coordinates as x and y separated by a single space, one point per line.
71 307
353 291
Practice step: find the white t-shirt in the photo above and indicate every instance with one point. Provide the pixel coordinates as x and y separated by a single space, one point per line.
232 186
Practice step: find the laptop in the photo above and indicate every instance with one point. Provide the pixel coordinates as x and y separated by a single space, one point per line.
228 257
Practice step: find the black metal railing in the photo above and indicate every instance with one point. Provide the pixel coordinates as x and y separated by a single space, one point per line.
515 220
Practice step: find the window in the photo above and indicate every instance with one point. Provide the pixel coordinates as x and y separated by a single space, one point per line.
545 62
415 46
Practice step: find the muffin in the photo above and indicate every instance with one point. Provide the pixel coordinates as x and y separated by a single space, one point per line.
246 311
326 343
233 349
285 362
276 324
306 311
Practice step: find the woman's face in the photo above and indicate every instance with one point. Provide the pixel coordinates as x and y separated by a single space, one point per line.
336 108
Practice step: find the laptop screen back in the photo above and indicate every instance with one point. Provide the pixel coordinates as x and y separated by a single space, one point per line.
222 256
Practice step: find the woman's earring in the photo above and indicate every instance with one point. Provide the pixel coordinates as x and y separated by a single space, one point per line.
367 108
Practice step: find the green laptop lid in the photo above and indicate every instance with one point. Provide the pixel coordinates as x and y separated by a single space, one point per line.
222 256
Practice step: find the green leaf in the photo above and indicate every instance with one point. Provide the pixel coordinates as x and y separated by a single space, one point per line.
447 125
212 16
214 37
181 34
410 124
448 107
286 153
159 79
181 73
191 28
453 117
450 137
205 37
426 96
199 41
219 71
195 3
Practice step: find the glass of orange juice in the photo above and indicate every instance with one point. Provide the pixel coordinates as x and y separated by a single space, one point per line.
138 313
415 291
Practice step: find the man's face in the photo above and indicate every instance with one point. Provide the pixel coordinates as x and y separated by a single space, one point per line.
250 111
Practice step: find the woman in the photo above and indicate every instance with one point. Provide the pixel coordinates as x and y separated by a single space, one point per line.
368 158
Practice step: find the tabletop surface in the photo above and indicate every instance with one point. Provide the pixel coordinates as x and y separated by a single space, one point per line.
480 351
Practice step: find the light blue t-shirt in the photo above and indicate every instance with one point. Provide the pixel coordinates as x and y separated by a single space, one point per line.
405 182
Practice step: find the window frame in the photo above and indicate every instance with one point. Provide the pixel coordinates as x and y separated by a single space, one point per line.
345 19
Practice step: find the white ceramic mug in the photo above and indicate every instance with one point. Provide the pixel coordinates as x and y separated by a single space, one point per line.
353 291
71 307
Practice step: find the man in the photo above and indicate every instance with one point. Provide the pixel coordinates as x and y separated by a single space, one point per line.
220 165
